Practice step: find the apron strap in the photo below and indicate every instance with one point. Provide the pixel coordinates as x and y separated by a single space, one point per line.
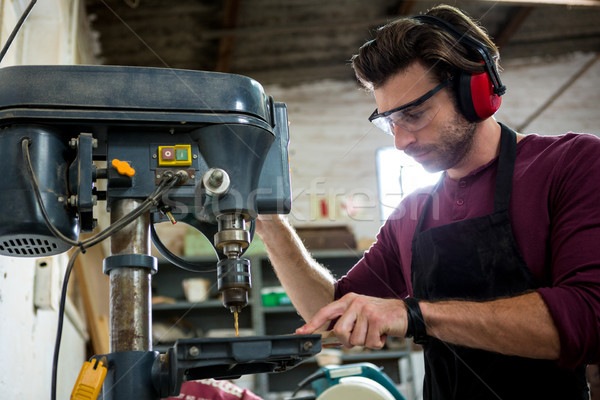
506 167
504 175
427 205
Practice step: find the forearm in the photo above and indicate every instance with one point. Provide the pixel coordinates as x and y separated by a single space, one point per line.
519 325
308 284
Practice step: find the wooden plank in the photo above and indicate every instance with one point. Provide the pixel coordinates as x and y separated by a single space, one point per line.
94 288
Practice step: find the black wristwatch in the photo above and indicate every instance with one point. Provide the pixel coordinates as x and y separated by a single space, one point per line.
416 328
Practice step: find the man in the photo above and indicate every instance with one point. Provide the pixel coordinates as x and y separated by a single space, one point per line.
495 269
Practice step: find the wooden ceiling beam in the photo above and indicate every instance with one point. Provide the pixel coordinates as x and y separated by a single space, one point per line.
407 7
570 3
300 28
231 12
512 25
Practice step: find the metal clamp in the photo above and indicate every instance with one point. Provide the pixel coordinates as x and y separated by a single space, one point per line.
130 261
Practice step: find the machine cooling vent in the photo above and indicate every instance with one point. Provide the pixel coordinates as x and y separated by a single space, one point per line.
29 246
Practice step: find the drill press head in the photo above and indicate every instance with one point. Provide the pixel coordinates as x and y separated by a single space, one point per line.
220 133
231 239
231 195
233 272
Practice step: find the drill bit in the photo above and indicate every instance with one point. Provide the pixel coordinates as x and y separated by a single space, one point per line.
236 323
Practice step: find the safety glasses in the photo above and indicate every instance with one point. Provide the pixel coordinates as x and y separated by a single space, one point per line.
411 116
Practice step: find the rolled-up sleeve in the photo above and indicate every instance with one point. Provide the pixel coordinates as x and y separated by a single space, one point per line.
573 298
384 269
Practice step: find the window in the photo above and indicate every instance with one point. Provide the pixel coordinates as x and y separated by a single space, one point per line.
398 175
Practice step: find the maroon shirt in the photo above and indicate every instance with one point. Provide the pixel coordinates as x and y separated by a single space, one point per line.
555 214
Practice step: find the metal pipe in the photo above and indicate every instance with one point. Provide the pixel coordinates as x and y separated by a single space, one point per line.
130 287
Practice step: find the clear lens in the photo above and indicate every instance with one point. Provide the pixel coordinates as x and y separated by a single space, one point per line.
411 119
412 116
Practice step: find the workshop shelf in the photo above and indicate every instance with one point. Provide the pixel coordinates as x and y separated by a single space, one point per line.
209 315
187 305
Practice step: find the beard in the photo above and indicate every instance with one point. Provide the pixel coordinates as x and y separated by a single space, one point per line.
456 139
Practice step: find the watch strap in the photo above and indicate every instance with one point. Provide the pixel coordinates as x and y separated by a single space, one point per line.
416 328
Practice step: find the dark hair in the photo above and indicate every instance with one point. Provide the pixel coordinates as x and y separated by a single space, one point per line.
404 41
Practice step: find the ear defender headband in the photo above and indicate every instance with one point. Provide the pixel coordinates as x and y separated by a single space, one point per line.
478 94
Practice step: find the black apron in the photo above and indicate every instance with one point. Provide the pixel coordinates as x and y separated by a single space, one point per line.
478 259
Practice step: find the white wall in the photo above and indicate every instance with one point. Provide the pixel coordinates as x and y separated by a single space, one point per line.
56 32
28 332
53 34
333 146
532 82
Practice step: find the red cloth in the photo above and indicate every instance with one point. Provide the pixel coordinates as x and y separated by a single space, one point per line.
212 389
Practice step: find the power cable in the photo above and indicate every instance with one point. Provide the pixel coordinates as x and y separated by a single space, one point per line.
61 317
166 183
16 29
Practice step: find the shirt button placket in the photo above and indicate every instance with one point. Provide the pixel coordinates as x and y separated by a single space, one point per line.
459 212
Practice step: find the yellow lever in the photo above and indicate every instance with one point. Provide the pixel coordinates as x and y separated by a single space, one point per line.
89 382
123 167
169 215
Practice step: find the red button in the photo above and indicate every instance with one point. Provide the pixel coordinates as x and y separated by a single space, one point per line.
460 202
167 153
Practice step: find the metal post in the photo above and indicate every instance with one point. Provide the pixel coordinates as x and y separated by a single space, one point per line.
130 287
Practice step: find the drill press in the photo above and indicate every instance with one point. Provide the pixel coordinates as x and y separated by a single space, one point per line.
232 238
208 149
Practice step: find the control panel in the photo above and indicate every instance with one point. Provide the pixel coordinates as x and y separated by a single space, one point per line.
177 155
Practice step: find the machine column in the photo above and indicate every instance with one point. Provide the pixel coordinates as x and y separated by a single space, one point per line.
130 286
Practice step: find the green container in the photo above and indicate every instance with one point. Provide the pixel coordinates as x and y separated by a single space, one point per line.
274 296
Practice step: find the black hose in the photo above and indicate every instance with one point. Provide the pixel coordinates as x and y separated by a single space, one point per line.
178 261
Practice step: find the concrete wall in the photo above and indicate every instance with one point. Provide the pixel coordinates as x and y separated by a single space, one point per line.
333 146
54 33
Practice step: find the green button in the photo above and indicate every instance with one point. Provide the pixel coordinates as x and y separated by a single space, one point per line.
181 154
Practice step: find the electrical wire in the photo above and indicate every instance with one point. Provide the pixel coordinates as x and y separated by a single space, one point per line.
309 379
178 261
36 190
61 317
167 182
16 29
189 265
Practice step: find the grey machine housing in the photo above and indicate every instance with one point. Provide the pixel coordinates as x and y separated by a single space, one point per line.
76 116
72 119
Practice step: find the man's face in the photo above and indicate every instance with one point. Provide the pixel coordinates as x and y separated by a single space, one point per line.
446 138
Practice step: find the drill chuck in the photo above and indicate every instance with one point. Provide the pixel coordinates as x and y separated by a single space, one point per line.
233 282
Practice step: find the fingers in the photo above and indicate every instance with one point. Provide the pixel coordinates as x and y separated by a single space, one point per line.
362 320
369 328
323 317
359 332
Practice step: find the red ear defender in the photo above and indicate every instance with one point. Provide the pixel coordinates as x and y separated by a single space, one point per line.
485 101
478 95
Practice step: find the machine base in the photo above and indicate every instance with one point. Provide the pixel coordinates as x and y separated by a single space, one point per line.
228 358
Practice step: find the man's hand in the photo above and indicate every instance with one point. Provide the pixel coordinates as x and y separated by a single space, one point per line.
363 320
